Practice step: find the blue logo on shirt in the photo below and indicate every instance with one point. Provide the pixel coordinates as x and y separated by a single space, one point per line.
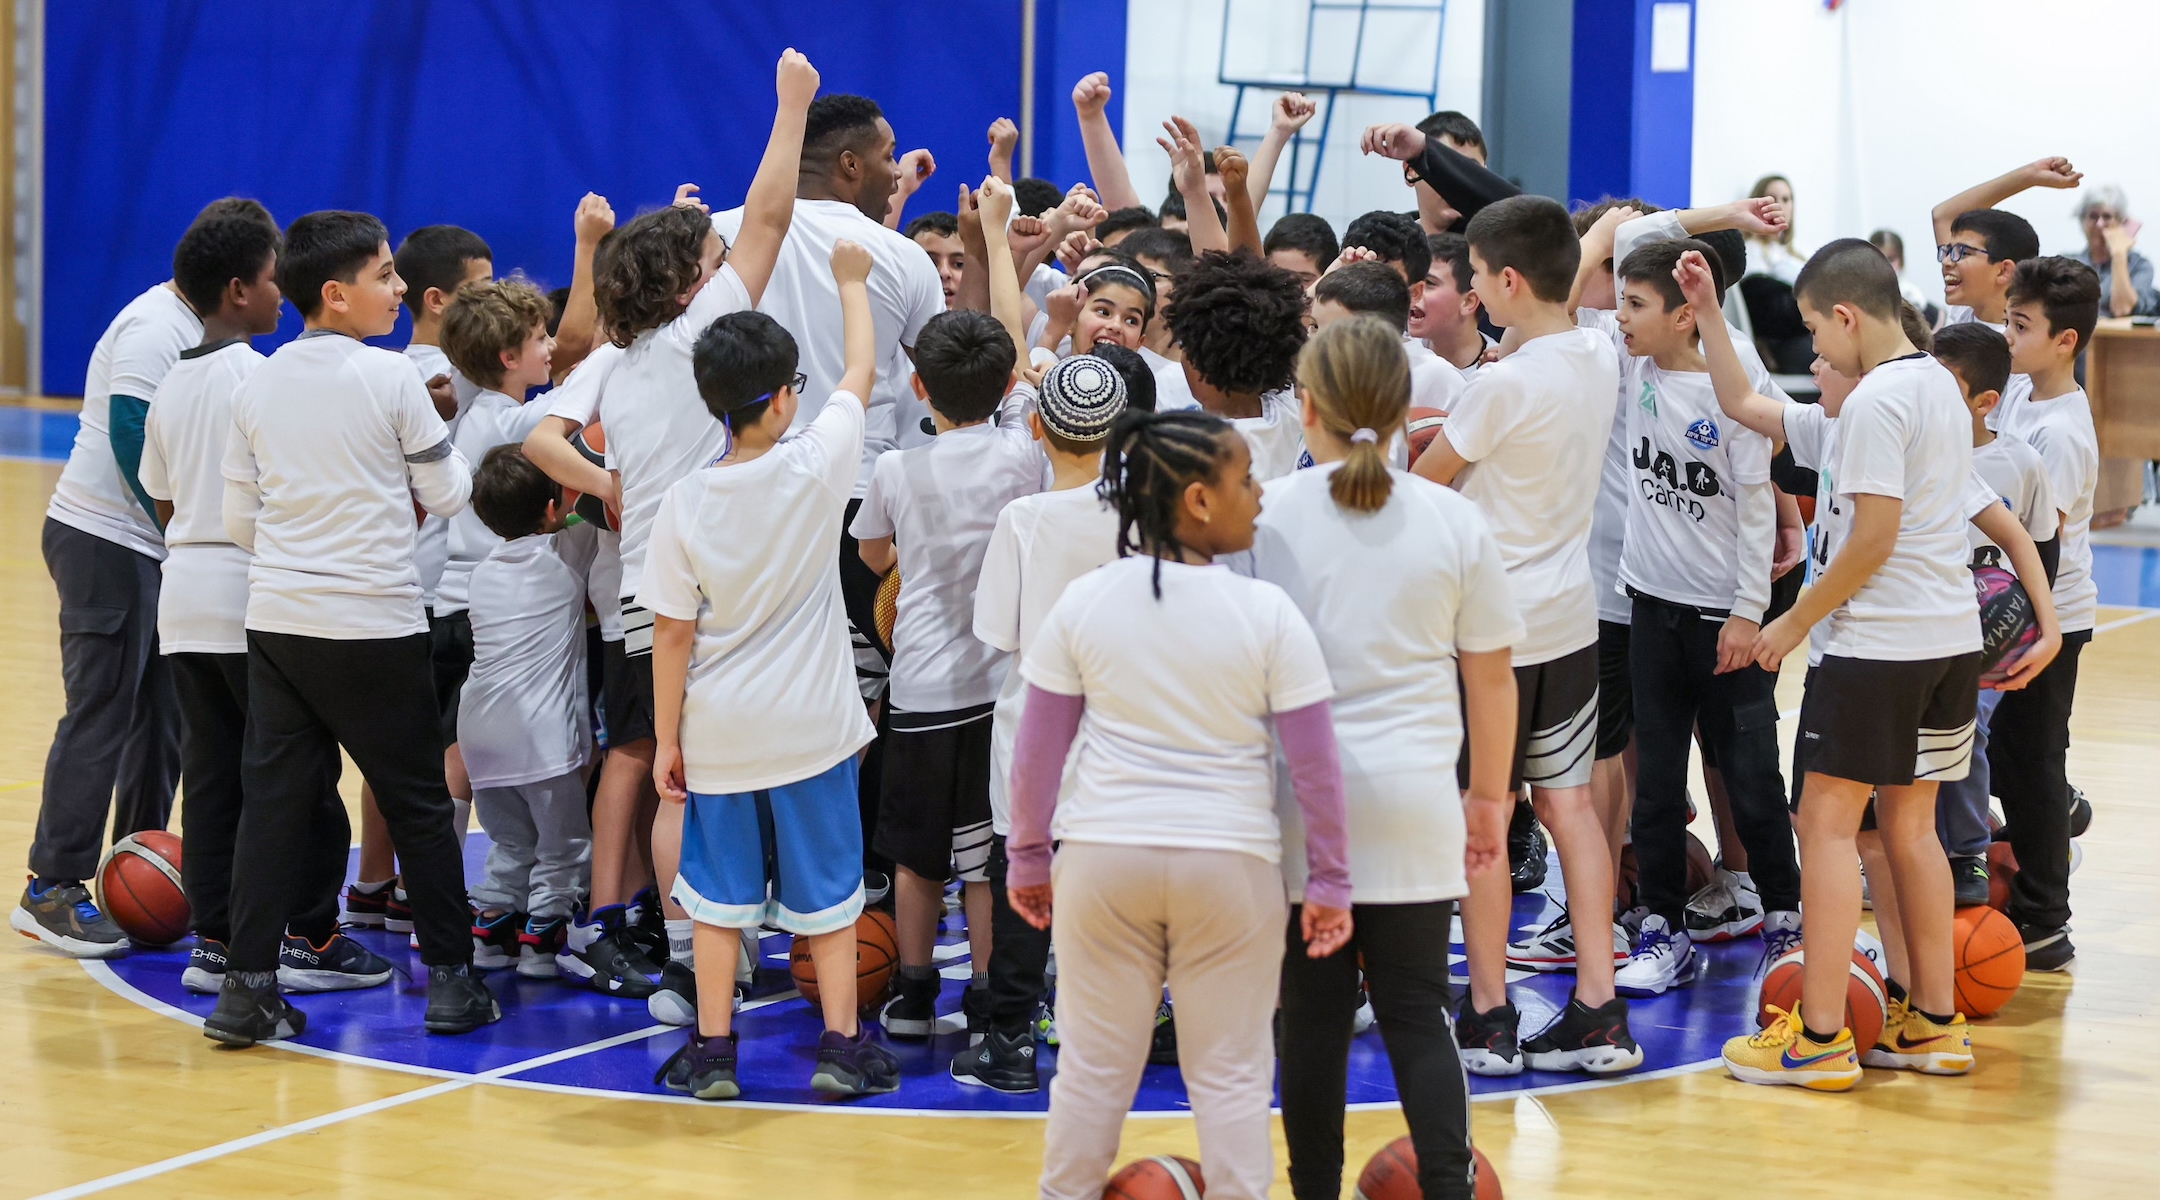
1703 433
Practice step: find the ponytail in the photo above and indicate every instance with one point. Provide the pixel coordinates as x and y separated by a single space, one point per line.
1149 460
1358 377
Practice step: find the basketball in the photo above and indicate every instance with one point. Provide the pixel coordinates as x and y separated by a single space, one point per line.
1163 1177
877 949
1391 1174
1423 426
888 606
590 442
138 886
2002 866
1701 868
2007 625
1866 1000
1990 960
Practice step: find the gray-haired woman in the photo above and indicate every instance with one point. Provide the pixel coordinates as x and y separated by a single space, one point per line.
2104 214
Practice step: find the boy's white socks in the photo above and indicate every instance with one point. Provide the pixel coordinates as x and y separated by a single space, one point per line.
681 943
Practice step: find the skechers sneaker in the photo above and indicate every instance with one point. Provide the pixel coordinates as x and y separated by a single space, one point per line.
1661 961
1595 1040
1488 1039
60 913
338 965
1782 1054
205 974
1727 907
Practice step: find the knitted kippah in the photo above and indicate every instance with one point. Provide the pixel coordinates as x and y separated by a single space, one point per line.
1081 397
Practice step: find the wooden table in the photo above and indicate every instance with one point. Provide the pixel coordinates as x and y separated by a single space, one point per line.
2122 379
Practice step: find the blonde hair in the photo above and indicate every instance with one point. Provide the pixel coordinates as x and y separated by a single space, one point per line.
488 318
1358 377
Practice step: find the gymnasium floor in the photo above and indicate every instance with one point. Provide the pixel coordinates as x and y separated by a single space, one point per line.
112 1091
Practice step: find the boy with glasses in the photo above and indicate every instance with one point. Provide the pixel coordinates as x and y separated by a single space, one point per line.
1980 245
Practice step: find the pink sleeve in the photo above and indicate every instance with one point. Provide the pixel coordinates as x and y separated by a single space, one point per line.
1308 740
1047 728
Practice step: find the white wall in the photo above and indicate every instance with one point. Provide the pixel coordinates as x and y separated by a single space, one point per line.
1174 52
1882 108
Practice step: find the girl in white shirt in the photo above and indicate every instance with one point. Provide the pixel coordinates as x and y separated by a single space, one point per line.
1167 863
1403 583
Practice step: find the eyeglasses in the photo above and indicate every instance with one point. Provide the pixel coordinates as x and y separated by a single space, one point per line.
796 383
2100 216
1957 252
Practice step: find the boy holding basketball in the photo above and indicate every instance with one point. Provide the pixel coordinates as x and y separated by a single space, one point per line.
1889 709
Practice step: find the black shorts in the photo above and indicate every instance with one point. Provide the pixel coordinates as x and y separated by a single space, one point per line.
1555 723
934 811
450 655
1615 690
627 705
1889 723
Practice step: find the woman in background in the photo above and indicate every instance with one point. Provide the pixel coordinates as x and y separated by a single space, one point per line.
2104 214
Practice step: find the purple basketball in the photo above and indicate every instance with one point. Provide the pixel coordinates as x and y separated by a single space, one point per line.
2007 626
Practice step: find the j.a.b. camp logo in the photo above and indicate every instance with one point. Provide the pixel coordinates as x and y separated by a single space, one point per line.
1703 433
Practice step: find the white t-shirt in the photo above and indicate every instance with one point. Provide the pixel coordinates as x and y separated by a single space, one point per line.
1392 596
577 398
1276 436
939 503
1959 314
131 359
1042 543
2062 431
492 419
1434 381
658 428
1904 433
746 551
524 715
202 606
1172 390
1608 522
2014 472
1175 747
324 430
1534 427
904 295
433 552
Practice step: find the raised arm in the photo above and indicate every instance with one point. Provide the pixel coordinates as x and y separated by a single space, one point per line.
1244 219
2047 172
997 202
577 332
1004 135
1597 251
1188 169
770 206
1292 110
1458 178
916 168
1079 212
1728 375
851 270
974 292
1106 162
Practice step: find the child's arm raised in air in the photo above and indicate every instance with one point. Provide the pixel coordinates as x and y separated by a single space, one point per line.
1004 135
2004 529
851 270
974 292
1597 250
1728 374
1106 162
997 202
2053 172
577 333
1237 201
916 168
1079 212
1290 113
770 206
1757 217
1188 169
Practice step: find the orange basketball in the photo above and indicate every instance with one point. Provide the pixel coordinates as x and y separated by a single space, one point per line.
591 442
139 887
1990 960
2002 866
1424 425
877 949
888 606
1163 1177
1867 1002
1391 1174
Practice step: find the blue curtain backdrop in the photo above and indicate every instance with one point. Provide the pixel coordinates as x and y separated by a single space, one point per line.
492 114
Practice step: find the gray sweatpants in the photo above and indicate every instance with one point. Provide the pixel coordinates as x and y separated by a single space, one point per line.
543 846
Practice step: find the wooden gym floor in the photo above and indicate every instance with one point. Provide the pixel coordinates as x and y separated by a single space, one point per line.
102 1096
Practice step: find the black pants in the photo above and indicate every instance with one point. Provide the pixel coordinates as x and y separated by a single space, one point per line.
376 697
213 695
2027 743
1672 655
858 595
1405 949
1019 954
117 748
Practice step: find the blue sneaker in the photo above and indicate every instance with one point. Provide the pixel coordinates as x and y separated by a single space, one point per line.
205 974
338 965
59 913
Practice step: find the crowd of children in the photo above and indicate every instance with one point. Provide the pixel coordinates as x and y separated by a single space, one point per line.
1201 670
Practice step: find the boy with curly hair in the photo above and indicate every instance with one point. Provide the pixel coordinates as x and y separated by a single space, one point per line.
1241 322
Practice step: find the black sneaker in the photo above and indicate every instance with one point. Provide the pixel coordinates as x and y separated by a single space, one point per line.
1969 880
704 1067
457 1001
60 913
1004 1061
912 1012
338 965
495 940
645 923
249 1010
1526 852
397 911
540 942
1488 1039
1162 1047
1595 1040
205 974
2080 812
2047 949
674 1002
597 953
367 909
854 1066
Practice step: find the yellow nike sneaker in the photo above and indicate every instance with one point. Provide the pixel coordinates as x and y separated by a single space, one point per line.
1918 1044
1783 1054
1884 1052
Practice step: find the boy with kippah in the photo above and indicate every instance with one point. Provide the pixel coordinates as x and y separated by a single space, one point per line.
1042 542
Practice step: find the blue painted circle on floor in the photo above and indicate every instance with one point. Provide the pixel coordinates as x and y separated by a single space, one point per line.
557 1036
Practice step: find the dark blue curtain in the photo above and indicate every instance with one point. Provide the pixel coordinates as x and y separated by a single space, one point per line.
492 114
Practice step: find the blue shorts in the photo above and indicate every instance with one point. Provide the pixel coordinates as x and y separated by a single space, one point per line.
789 856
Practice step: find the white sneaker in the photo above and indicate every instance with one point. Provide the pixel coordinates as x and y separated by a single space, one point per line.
1662 960
1632 920
1728 907
1780 935
1553 947
1362 1020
